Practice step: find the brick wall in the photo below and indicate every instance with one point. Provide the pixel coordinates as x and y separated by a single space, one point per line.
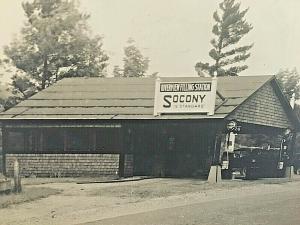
64 165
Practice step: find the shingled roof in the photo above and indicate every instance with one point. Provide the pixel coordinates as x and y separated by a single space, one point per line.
122 98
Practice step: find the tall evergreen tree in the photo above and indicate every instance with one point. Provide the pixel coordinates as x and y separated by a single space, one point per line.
229 29
55 43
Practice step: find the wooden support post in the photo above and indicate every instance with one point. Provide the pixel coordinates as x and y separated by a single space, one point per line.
292 150
121 164
65 140
124 149
94 140
217 149
214 175
17 177
41 141
4 149
289 169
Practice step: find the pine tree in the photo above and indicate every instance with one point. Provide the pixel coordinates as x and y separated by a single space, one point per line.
229 29
55 43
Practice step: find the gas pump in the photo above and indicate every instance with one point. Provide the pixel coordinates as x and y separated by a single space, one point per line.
232 128
283 153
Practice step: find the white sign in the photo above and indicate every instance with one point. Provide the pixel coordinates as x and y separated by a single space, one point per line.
230 141
185 95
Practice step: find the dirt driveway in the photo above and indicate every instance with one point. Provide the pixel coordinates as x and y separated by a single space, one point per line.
81 203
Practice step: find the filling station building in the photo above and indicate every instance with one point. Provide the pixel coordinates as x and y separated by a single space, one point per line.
161 127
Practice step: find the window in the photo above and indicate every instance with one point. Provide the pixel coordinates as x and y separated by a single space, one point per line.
15 141
53 140
33 137
108 140
78 139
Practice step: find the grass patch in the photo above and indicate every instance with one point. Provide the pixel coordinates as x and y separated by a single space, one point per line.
28 194
37 181
158 189
168 187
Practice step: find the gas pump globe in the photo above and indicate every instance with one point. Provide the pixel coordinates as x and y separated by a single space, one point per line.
231 126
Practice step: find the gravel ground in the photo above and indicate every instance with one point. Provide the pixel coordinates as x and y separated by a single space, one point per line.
81 203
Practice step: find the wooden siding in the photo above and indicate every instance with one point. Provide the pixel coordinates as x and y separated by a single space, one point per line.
263 108
64 165
173 148
128 165
1 163
168 148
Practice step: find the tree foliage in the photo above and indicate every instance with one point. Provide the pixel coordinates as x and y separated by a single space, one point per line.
5 98
289 81
19 88
117 72
54 43
230 27
22 87
135 64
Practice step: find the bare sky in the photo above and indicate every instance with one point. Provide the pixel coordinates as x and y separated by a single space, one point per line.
175 34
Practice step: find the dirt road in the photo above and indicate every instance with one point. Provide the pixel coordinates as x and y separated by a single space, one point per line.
84 203
280 208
